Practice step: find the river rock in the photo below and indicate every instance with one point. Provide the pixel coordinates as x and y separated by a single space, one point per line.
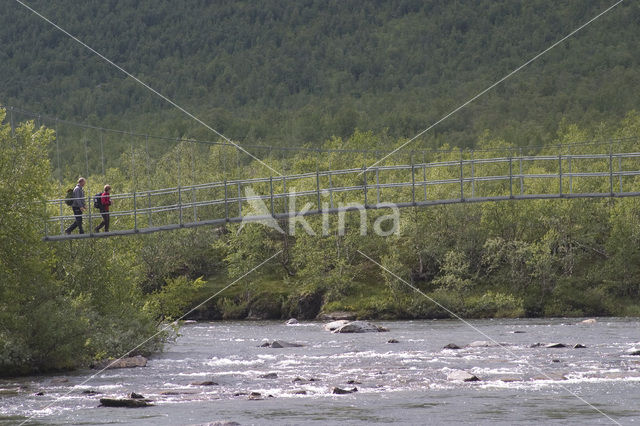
134 395
125 402
39 393
555 345
633 351
90 392
588 321
579 346
340 391
269 376
392 341
462 376
131 362
335 325
255 396
205 383
452 346
353 382
292 321
339 315
359 327
279 344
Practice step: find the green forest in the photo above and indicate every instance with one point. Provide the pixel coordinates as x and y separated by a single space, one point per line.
335 75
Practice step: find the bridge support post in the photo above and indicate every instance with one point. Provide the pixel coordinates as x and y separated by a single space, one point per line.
620 172
226 205
149 208
135 212
284 191
239 200
413 183
377 185
364 183
510 176
560 173
180 206
424 176
473 177
271 189
61 219
461 177
90 217
610 172
521 174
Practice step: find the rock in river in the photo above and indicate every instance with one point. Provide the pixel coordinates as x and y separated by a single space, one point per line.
462 376
125 402
359 327
340 391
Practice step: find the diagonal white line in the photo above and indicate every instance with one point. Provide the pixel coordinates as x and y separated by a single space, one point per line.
493 85
165 328
453 314
128 74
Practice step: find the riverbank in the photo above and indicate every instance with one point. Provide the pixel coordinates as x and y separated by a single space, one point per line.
269 298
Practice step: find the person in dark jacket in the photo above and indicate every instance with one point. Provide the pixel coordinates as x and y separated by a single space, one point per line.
78 206
105 202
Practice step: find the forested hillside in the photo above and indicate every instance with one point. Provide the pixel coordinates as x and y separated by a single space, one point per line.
294 72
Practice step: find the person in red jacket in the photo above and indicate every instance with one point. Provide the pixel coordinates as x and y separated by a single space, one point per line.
104 209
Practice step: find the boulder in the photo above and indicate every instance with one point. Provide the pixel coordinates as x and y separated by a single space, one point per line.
278 344
462 376
353 382
633 351
255 396
124 402
205 383
579 346
90 392
335 325
292 321
340 391
269 376
134 395
452 346
555 345
131 362
359 327
392 341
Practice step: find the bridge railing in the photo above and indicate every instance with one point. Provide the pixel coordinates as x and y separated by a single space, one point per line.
440 182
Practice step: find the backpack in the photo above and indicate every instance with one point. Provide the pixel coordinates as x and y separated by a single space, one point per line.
97 201
69 197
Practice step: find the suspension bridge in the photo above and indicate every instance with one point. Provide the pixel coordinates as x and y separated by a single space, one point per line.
333 191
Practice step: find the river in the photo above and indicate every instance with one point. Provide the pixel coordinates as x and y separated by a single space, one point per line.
404 383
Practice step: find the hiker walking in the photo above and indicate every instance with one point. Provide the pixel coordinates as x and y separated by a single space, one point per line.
78 205
103 201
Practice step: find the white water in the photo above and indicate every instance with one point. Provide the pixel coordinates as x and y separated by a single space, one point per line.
405 382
